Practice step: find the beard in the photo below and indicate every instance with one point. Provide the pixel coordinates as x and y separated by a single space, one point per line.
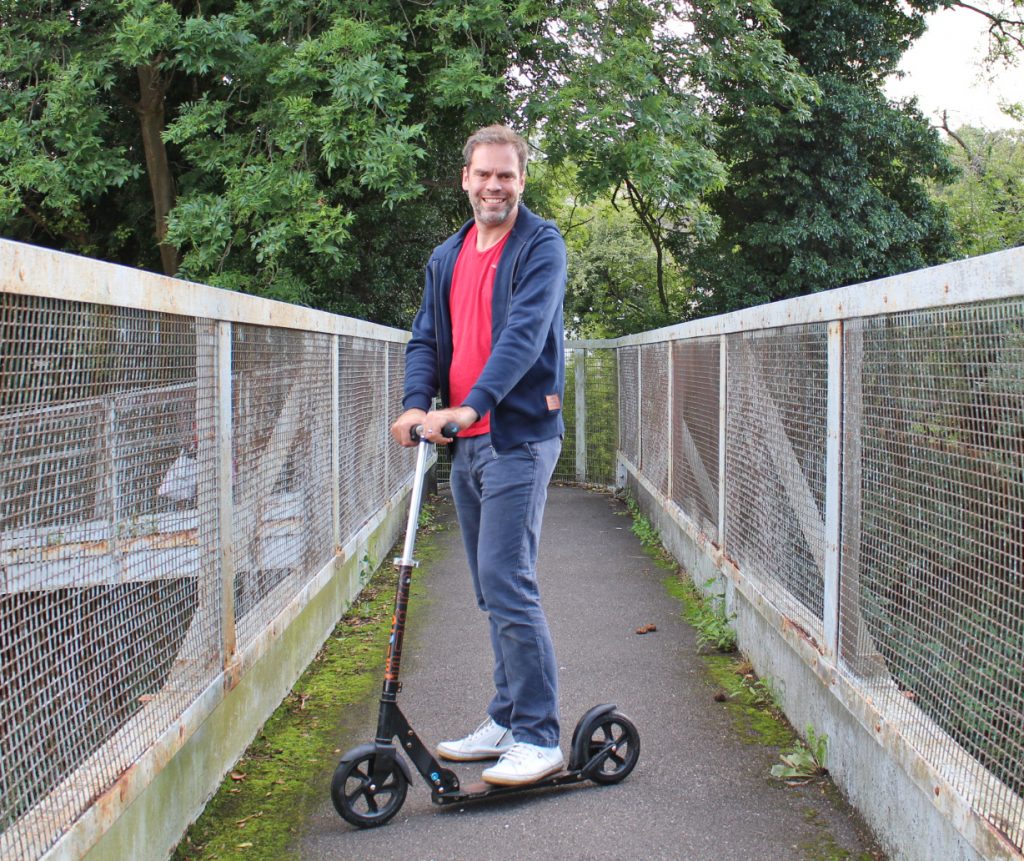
493 215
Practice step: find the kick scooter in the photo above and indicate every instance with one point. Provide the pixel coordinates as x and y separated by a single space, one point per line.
371 781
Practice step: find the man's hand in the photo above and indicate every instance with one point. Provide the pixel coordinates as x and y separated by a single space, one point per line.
432 423
401 430
435 420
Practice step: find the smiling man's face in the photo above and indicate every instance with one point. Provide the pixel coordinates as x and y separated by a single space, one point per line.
494 184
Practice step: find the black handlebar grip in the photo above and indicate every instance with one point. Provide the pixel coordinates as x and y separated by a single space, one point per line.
449 430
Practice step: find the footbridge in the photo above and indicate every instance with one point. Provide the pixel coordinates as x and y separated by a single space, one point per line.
195 485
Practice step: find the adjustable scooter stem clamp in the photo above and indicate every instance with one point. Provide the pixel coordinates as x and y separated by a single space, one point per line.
411 563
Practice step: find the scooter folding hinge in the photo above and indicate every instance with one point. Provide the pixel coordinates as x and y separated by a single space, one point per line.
409 563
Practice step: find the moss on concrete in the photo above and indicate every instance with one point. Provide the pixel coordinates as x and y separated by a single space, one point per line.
741 693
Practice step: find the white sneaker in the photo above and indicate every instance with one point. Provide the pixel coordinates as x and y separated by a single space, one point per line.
488 741
524 763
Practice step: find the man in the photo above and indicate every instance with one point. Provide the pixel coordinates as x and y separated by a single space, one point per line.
488 336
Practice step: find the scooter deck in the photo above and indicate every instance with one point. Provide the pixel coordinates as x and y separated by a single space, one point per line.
481 789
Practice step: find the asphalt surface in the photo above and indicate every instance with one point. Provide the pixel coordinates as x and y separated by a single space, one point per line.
701 790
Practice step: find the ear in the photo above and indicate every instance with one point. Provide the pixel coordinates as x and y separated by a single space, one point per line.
465 178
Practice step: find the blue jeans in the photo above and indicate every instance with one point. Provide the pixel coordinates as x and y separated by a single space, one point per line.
499 498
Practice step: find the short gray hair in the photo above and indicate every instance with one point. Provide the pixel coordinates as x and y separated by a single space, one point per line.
497 134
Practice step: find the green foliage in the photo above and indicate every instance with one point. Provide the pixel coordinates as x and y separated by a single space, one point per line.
311 153
836 197
643 529
612 268
625 102
804 761
707 614
755 714
302 152
986 201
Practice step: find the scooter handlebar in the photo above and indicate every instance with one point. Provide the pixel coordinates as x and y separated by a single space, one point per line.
449 430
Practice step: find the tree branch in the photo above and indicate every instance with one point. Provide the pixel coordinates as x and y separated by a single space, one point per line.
945 127
1002 28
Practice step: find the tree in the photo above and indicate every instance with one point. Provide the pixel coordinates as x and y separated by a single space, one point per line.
986 201
834 199
624 101
307 151
1005 20
612 265
238 120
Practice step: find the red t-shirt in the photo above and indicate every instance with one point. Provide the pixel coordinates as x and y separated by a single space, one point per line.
470 306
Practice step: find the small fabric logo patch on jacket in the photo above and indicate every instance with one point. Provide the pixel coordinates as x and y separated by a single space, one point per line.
554 402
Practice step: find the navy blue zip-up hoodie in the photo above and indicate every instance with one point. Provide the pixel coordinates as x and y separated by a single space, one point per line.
523 382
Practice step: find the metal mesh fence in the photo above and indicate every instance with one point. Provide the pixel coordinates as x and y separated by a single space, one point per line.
400 461
930 608
775 466
591 417
111 611
629 403
933 595
111 584
281 459
654 414
363 428
695 420
107 629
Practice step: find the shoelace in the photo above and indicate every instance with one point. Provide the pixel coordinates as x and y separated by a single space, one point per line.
518 753
484 729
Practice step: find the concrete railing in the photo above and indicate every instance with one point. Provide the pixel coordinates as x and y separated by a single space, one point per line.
194 485
847 469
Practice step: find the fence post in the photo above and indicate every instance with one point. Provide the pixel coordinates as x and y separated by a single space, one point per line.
833 487
336 442
108 496
723 414
580 394
225 491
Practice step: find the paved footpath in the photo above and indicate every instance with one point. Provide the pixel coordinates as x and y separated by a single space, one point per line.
700 792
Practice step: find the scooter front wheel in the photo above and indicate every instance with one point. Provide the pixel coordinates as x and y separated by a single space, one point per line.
361 800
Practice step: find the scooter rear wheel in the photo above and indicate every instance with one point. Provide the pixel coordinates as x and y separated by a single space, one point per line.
361 801
614 738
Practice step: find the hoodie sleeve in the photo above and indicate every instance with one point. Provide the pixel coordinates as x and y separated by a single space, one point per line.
421 366
534 305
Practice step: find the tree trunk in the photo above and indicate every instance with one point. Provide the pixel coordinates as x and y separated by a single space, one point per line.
151 117
660 251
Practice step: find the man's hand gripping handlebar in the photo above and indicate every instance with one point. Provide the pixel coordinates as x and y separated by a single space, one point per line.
448 431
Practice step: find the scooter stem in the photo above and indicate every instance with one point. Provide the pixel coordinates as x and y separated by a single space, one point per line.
415 499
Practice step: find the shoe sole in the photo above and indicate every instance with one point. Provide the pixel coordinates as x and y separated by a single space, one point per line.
522 781
468 757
